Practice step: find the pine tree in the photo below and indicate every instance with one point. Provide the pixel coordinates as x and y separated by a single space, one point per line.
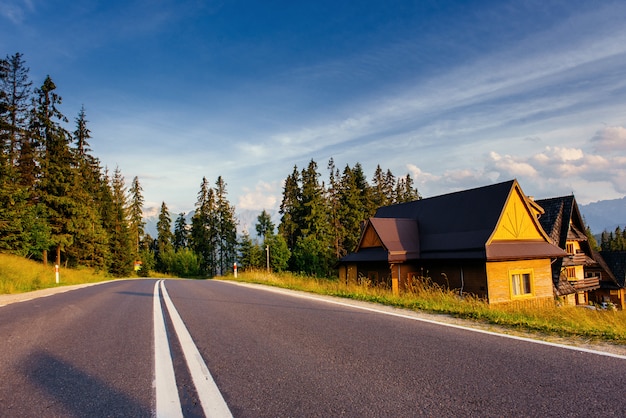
165 238
313 252
250 253
181 232
334 206
405 190
352 211
121 242
264 225
226 228
290 209
57 179
90 241
203 228
15 95
618 243
20 224
135 213
279 253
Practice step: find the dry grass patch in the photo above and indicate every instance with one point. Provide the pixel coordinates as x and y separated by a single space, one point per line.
18 275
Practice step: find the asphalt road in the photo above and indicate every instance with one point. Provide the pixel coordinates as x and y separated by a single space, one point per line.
96 352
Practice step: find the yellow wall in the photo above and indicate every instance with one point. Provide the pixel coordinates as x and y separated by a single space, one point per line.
516 221
499 282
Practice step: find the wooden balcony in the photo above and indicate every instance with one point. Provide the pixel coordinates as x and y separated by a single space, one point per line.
578 259
586 284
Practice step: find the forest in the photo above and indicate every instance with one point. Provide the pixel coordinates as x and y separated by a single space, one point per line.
59 204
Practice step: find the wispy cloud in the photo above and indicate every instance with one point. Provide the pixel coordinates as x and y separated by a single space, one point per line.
16 10
610 139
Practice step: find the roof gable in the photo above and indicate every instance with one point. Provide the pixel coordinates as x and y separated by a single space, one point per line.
455 224
518 220
400 237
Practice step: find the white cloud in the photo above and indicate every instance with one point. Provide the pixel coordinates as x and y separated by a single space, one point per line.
264 196
610 139
510 166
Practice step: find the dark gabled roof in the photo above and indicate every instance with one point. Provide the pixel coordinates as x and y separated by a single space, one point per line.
616 261
455 225
600 262
399 236
558 213
374 254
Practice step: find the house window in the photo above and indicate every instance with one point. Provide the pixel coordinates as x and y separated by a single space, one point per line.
571 272
569 248
521 283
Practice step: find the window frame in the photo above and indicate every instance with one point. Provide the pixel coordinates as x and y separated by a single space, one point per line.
522 286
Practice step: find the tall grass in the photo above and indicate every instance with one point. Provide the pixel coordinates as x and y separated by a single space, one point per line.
19 275
428 297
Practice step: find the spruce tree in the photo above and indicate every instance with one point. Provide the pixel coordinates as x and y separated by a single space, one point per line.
90 242
56 185
135 214
165 238
291 209
121 242
405 190
181 232
15 95
279 254
334 207
313 251
250 253
203 228
264 225
352 210
226 228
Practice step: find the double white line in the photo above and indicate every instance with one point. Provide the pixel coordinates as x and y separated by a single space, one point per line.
167 399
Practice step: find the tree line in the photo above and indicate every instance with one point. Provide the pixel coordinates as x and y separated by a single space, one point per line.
613 241
54 194
321 221
58 202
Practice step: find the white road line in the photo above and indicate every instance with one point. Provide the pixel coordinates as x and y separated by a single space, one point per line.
167 400
430 321
210 397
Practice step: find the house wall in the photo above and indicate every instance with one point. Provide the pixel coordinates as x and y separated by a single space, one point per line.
500 286
465 277
377 274
615 296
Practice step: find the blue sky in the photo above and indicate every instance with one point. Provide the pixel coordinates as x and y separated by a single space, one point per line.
459 94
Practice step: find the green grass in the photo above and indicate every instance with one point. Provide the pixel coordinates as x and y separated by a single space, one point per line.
18 275
595 325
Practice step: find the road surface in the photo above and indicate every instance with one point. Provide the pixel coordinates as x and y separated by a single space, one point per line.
210 348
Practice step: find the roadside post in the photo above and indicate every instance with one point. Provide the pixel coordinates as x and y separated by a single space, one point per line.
235 269
56 273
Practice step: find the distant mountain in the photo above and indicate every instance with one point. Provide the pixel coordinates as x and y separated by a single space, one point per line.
605 215
151 218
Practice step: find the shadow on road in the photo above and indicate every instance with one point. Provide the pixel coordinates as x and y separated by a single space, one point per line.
78 393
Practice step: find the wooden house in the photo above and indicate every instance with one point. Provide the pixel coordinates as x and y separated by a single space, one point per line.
613 288
485 241
583 269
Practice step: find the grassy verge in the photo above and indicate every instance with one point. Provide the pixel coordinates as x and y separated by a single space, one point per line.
19 275
595 325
